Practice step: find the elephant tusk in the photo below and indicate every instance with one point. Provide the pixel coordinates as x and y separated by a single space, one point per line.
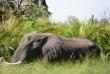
16 63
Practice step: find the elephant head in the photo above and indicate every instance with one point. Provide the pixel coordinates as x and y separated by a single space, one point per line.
29 47
34 45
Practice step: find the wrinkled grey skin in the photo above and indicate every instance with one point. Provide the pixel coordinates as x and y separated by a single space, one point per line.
49 46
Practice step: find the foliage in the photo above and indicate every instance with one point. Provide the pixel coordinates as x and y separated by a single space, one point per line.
36 20
34 11
3 12
89 66
12 30
31 10
97 32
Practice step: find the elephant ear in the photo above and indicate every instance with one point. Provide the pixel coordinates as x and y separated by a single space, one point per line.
52 48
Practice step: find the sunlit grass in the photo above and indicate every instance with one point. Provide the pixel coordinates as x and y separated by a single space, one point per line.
12 30
90 66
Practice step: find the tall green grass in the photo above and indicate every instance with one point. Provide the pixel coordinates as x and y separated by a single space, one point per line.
89 66
12 30
97 32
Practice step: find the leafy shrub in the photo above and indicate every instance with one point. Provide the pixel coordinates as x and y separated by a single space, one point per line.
34 11
12 30
31 10
97 32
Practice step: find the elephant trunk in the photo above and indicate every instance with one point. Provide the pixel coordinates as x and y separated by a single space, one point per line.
19 55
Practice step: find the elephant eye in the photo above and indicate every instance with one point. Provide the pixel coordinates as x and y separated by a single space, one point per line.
28 46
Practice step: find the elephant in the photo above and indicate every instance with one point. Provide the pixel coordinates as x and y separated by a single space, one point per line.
50 46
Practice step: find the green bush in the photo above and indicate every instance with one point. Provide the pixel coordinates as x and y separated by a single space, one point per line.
30 10
12 30
33 11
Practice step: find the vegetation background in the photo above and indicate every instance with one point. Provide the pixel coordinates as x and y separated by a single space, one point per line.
15 27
